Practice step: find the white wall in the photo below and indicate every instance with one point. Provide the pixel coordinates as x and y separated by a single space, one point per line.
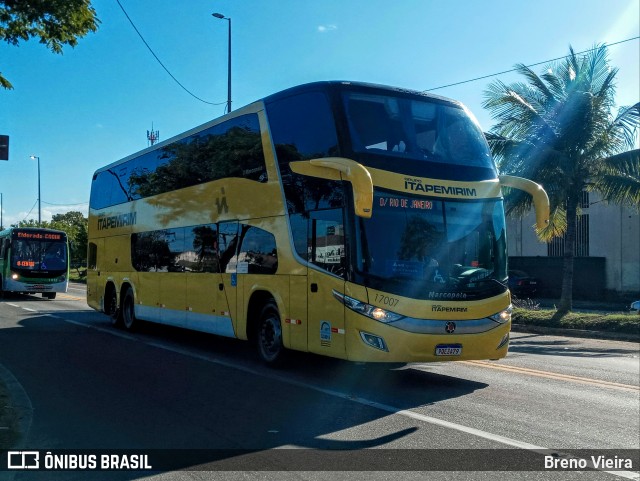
614 233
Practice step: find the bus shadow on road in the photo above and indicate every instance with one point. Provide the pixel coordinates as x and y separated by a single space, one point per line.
570 347
178 389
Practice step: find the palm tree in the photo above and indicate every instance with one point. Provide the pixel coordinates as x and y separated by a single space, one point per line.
559 130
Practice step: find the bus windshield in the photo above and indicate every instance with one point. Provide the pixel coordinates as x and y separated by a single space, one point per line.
433 249
417 129
38 255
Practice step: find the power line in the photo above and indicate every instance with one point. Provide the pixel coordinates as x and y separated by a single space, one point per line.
70 205
531 65
160 62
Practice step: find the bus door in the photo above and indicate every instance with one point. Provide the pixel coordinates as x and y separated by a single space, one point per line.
228 292
326 327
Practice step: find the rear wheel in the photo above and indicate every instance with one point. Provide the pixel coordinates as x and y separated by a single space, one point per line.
111 306
128 310
269 336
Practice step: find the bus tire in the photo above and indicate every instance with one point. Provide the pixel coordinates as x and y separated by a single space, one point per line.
49 295
111 307
269 335
128 311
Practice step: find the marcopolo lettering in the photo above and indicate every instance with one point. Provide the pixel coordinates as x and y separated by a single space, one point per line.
115 221
447 295
414 186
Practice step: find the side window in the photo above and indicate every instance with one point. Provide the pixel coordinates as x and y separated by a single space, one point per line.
171 251
327 241
148 249
201 249
303 127
258 254
228 246
92 256
230 149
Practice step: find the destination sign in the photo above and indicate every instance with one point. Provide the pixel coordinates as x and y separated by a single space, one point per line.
404 203
52 236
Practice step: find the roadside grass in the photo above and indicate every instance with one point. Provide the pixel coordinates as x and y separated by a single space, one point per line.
611 322
9 430
78 275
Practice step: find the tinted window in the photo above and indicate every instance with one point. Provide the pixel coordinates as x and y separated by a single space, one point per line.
148 250
415 129
92 256
228 246
258 253
327 241
302 127
201 248
230 149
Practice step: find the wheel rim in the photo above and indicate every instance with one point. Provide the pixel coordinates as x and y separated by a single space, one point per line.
113 306
127 312
270 338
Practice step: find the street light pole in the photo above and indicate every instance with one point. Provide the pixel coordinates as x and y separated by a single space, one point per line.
33 157
222 17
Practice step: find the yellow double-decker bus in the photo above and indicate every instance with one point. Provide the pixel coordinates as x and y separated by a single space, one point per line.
350 220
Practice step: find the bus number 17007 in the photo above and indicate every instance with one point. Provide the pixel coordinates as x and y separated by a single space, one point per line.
386 300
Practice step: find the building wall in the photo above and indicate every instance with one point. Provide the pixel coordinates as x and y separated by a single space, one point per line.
614 233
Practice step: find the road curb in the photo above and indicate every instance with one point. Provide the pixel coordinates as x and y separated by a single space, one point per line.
555 331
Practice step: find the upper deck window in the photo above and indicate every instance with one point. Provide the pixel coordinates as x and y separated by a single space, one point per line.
230 149
416 129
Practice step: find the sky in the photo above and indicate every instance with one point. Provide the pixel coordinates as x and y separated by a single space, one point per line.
94 104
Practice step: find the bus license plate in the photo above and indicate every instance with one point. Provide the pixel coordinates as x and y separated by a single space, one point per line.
448 349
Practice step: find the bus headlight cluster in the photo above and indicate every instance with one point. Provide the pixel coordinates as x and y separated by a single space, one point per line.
375 313
15 276
503 316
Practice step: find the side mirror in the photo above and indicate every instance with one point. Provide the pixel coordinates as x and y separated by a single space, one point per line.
339 168
540 197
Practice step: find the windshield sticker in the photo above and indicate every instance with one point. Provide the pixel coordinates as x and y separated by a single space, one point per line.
405 268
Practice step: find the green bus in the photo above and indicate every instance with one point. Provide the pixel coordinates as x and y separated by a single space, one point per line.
34 260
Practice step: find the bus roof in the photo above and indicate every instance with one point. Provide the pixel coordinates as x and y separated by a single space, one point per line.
363 86
326 85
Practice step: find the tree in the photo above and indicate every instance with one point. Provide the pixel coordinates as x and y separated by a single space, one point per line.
55 22
76 226
559 130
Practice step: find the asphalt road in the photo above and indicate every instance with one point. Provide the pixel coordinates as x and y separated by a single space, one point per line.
89 386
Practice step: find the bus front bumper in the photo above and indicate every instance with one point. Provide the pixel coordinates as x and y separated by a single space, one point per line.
371 341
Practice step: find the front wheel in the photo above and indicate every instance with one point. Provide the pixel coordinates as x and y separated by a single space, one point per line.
269 338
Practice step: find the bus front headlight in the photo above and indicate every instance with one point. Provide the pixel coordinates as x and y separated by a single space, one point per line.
15 276
375 313
503 316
